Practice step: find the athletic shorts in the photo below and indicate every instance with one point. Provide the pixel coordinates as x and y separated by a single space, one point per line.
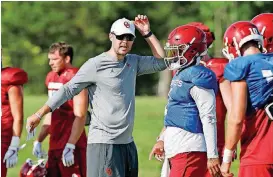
256 171
112 160
189 164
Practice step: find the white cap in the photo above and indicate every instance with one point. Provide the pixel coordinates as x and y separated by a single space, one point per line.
123 26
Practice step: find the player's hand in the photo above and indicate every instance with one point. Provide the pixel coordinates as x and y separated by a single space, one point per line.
37 150
32 122
214 167
157 151
225 170
11 156
142 24
68 155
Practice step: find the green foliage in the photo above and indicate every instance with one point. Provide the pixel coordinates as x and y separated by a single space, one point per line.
29 28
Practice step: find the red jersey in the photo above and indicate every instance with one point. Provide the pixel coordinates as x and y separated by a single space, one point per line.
217 65
62 118
10 77
256 135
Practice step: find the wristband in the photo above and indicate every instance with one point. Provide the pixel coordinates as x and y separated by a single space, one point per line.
227 157
148 35
38 115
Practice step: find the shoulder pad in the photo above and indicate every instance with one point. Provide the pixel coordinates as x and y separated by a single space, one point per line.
200 76
48 77
237 69
217 65
13 76
71 72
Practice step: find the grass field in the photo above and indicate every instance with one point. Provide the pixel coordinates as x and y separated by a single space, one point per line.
148 123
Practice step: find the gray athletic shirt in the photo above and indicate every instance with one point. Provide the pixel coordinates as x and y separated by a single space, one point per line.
111 87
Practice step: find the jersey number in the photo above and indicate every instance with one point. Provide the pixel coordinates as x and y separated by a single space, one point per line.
268 75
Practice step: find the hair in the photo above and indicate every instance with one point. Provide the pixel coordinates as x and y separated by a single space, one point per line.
63 48
251 43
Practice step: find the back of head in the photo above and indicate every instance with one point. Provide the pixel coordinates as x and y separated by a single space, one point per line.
264 22
186 44
237 35
63 48
209 34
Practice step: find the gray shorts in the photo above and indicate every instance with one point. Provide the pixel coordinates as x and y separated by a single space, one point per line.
112 160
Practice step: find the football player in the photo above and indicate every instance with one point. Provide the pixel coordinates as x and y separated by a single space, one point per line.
264 22
190 116
250 119
12 81
67 143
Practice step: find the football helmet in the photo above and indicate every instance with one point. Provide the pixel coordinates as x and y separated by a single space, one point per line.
264 22
186 44
29 169
237 35
209 34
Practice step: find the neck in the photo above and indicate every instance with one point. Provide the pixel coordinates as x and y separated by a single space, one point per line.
112 53
251 51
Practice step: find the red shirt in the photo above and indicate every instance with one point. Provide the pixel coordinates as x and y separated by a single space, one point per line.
62 118
256 140
10 77
217 65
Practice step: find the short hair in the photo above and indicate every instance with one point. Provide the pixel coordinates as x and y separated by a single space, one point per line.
63 48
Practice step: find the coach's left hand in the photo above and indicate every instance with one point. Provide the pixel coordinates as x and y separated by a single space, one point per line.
225 170
32 122
142 24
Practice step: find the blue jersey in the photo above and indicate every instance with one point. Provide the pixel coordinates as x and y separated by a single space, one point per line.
257 71
181 110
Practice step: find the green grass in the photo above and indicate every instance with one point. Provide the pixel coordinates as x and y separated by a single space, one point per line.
148 123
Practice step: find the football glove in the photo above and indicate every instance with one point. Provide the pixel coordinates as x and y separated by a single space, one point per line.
68 155
37 150
11 156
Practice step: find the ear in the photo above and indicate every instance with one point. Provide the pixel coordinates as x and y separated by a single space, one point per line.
111 36
67 59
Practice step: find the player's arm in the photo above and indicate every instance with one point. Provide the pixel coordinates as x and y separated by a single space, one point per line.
237 114
15 94
80 105
206 104
225 89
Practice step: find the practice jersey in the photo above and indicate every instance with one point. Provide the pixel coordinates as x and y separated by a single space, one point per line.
181 110
256 139
9 77
217 65
62 118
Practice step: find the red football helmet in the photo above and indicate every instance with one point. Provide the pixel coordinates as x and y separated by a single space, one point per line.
185 45
209 34
264 22
237 35
33 170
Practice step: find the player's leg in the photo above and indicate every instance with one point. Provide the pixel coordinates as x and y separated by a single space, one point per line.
189 164
132 160
52 163
256 170
4 149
